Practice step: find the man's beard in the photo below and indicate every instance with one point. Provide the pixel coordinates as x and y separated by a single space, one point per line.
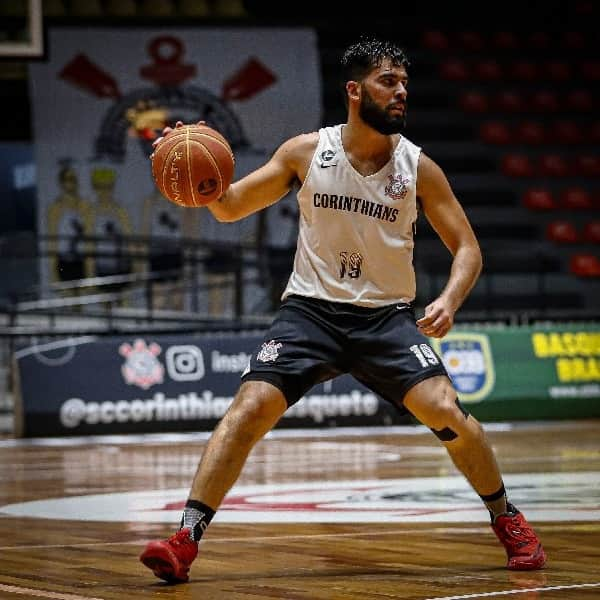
380 120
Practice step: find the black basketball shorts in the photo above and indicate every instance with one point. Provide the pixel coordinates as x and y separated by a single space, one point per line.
311 341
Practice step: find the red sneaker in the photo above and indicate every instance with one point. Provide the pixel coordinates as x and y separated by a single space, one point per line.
523 548
171 559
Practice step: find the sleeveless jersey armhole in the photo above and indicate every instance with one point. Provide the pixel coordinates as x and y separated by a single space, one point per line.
418 208
311 166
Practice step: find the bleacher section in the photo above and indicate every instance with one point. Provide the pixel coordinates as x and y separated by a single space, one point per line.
521 152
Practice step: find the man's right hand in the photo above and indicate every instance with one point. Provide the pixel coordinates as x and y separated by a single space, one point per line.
168 130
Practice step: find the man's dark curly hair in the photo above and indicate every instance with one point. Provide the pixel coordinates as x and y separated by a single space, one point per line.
366 54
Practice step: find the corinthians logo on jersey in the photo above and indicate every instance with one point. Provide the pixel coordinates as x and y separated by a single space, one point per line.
357 205
397 187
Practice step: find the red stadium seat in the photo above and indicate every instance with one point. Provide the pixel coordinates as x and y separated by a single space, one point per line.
474 102
576 198
488 70
455 69
593 133
530 132
562 232
435 40
525 70
495 132
567 132
585 265
505 40
540 40
539 199
591 232
511 101
588 165
580 101
545 101
574 40
585 7
554 165
590 69
472 41
558 70
518 165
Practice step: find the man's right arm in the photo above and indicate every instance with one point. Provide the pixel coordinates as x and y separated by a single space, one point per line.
267 184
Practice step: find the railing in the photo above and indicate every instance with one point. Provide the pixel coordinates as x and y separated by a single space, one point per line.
97 305
247 280
241 268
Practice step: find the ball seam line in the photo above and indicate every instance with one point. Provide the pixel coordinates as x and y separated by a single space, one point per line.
215 166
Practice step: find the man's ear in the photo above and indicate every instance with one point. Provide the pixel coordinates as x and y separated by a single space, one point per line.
353 90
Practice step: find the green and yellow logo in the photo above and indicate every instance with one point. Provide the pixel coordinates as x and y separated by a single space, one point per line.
577 353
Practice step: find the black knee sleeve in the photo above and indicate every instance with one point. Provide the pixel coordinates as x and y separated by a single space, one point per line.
447 434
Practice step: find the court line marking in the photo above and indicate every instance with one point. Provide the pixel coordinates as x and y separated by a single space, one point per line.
202 436
285 433
262 538
275 434
548 588
13 589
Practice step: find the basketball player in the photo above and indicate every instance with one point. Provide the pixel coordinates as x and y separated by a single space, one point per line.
347 305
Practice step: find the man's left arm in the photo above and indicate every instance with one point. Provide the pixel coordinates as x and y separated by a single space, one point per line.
450 222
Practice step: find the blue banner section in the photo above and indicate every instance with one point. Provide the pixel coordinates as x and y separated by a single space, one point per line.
162 383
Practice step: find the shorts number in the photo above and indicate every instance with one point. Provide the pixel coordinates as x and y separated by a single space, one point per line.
425 355
350 264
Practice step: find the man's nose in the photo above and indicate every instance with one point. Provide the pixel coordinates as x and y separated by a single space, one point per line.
400 91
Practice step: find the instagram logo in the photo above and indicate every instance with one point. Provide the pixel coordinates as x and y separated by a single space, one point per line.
185 363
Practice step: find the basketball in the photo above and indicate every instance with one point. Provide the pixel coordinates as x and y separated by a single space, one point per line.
193 165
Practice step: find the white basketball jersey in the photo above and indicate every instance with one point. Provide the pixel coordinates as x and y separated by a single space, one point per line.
355 241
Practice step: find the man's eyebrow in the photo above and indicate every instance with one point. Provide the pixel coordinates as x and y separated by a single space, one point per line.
393 73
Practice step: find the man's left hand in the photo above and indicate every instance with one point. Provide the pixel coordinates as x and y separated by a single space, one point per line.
437 320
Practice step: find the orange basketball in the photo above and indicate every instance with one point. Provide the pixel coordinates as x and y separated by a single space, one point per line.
193 165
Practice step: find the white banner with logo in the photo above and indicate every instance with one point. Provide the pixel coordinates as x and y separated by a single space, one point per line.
103 94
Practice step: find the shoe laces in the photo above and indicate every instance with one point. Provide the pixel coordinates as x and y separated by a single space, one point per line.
181 538
518 531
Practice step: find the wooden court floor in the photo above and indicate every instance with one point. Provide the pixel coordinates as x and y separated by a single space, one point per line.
368 515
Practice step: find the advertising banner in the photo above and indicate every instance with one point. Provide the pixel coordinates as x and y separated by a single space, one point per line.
525 372
155 384
185 383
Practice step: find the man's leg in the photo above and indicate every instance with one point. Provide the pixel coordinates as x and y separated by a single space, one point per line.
255 410
434 403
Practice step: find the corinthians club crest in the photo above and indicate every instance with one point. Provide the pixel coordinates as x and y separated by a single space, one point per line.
397 188
141 367
269 351
143 112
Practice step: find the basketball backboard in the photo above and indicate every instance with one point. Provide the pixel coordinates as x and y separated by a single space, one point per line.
21 30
